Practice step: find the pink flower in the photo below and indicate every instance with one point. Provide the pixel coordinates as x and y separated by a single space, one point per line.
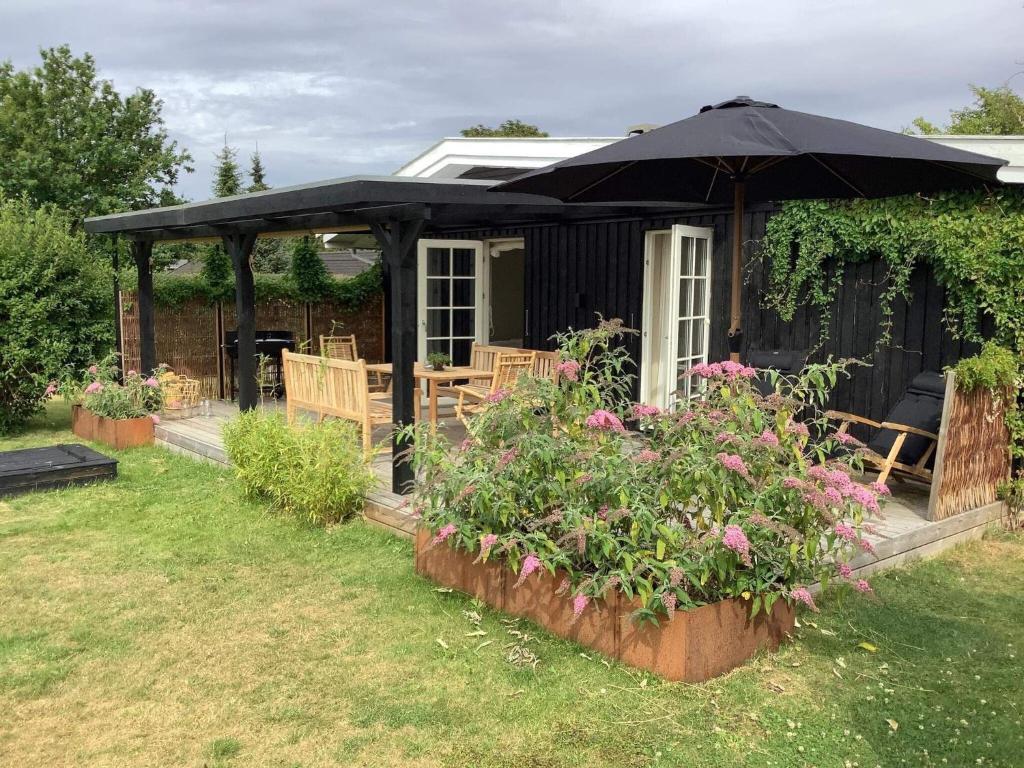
93 370
646 455
443 534
803 595
705 370
723 437
686 417
152 383
845 438
466 444
734 463
797 428
669 600
867 546
881 489
640 410
748 372
602 512
717 417
131 373
833 496
487 542
768 438
586 477
507 457
469 490
675 576
93 388
736 540
530 564
862 586
579 604
792 482
846 532
570 369
51 388
844 570
155 418
605 420
498 395
865 498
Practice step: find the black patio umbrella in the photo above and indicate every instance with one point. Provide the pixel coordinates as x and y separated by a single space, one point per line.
751 150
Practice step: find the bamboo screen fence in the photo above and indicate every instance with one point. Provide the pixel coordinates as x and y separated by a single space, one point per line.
973 456
189 337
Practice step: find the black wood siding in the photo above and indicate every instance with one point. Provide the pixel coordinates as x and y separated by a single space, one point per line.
574 271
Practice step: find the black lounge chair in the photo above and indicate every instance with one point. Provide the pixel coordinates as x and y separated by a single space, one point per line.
785 361
906 440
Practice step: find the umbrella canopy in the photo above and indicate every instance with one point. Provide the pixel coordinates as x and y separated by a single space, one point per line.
779 154
752 150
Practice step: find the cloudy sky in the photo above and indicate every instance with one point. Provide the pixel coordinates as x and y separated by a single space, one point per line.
333 87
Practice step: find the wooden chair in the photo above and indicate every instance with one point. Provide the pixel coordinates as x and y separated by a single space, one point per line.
339 347
906 440
508 367
345 348
546 365
340 388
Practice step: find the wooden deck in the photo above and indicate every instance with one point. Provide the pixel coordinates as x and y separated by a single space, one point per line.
903 535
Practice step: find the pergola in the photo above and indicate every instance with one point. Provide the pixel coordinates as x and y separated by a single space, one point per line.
397 211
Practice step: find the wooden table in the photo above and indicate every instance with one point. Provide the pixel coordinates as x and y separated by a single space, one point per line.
434 380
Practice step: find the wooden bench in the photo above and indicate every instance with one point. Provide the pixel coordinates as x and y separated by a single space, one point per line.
340 388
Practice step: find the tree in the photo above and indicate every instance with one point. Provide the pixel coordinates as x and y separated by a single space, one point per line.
269 254
509 128
257 175
55 303
68 138
996 111
227 176
308 271
218 271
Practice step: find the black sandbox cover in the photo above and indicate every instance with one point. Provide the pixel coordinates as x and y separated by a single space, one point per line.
53 466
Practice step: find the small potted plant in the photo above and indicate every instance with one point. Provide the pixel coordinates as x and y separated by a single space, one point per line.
438 360
119 414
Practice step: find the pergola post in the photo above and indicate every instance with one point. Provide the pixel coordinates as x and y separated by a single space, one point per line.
398 242
239 247
142 252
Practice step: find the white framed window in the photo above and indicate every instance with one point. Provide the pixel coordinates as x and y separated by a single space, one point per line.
676 312
450 298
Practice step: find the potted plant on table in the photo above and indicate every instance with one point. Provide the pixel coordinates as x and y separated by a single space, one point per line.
438 360
119 414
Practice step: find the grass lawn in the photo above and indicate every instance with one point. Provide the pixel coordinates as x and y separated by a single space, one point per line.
163 620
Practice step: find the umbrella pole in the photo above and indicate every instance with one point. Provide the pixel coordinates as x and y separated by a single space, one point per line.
735 325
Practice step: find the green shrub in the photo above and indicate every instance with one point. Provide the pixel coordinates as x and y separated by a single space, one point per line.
314 471
56 306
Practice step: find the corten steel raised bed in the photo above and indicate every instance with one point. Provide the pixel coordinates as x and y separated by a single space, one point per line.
117 433
693 646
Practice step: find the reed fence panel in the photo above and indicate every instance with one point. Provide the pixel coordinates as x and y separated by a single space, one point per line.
973 457
186 340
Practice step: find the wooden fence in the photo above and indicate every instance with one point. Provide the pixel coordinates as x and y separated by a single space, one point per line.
973 455
189 337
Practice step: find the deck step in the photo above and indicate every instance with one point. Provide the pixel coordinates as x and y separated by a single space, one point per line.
199 444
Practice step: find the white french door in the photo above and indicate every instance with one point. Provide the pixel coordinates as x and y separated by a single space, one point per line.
450 298
676 312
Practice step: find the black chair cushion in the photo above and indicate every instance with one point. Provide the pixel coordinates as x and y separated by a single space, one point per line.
787 361
921 407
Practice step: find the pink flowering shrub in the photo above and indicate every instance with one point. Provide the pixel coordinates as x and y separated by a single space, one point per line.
98 390
728 496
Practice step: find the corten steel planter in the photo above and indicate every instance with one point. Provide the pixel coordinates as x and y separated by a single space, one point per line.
694 645
117 433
